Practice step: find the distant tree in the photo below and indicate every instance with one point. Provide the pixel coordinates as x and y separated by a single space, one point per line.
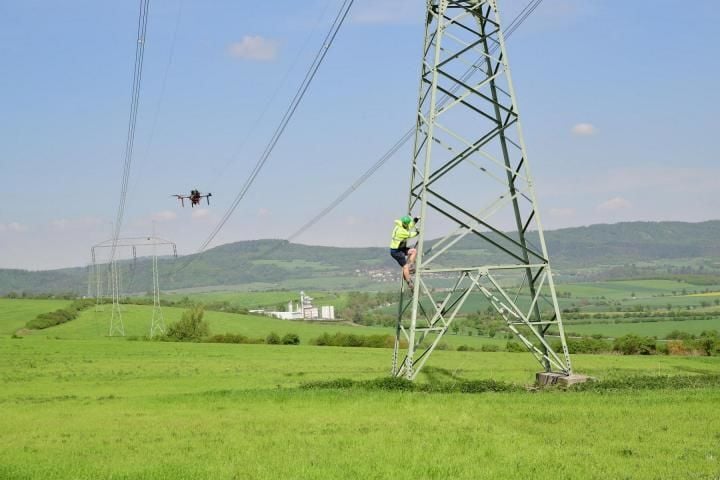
190 328
708 342
635 345
290 339
514 347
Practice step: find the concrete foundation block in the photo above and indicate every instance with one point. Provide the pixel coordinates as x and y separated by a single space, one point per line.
552 378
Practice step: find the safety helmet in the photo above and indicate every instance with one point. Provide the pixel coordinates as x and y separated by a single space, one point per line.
406 220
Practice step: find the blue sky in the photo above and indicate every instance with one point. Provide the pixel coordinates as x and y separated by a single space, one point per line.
619 103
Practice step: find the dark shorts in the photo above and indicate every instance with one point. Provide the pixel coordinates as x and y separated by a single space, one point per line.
400 255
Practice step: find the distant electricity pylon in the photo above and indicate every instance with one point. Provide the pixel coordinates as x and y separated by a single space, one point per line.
157 323
471 187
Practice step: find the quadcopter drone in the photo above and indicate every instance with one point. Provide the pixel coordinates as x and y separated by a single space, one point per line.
194 198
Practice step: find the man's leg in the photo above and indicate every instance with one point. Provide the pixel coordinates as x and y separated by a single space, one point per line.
409 267
402 259
412 253
406 273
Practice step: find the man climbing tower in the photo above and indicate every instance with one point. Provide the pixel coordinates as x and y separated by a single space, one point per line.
404 229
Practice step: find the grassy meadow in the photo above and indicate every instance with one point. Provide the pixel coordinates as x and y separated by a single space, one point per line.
261 299
137 318
112 408
79 405
657 329
15 313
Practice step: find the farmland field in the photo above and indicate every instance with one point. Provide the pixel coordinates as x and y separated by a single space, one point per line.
112 408
623 289
253 300
650 329
15 313
136 319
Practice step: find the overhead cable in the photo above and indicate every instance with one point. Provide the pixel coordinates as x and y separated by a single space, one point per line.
309 76
512 26
145 158
472 69
134 103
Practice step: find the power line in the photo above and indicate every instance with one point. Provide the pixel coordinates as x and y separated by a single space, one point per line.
258 121
512 26
146 159
309 76
299 94
518 20
134 103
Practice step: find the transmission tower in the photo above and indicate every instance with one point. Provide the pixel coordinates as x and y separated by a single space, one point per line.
157 323
471 187
116 322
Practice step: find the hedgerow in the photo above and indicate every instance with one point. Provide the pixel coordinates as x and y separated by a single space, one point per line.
63 315
352 340
404 385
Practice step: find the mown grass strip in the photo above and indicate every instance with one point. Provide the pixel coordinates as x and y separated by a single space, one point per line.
649 382
404 385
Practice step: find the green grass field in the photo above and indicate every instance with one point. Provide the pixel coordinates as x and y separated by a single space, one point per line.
79 405
136 320
15 313
111 408
650 329
622 289
254 300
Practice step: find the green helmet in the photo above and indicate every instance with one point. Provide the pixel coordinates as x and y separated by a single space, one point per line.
406 220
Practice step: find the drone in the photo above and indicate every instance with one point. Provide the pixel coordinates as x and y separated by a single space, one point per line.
194 198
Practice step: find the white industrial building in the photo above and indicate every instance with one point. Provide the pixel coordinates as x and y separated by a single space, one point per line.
304 310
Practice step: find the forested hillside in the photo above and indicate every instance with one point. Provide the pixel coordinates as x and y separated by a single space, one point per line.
596 251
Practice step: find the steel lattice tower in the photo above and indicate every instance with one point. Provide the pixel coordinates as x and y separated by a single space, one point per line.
157 322
116 321
471 187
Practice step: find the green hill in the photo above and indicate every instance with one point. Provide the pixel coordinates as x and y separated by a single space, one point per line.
622 250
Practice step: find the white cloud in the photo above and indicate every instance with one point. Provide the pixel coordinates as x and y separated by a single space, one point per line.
613 205
164 216
584 129
74 223
59 224
254 48
263 212
200 213
13 227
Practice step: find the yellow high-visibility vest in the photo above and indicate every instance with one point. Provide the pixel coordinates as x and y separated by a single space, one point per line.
400 234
